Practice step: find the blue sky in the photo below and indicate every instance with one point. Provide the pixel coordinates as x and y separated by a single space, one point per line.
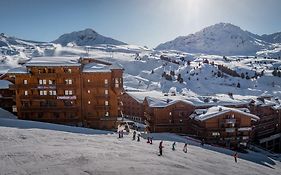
141 22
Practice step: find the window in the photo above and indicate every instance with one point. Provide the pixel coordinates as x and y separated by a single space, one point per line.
40 115
52 92
116 83
67 70
89 91
42 81
68 81
106 114
106 81
25 92
56 114
68 103
52 81
215 134
106 92
89 102
106 103
51 70
43 92
24 81
68 92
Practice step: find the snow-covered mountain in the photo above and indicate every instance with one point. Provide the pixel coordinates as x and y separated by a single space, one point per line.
222 39
272 38
87 37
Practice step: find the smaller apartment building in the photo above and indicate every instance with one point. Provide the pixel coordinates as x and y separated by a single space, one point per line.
132 107
167 116
84 92
6 96
230 127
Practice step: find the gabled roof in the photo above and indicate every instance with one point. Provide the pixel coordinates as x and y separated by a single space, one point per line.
115 66
96 67
4 84
205 114
53 61
18 70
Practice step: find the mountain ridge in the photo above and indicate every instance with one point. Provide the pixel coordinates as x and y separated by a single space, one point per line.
86 37
222 39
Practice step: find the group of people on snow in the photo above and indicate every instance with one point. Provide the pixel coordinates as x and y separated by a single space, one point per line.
149 141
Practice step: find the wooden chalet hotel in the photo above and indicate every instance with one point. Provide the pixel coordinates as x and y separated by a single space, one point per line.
67 90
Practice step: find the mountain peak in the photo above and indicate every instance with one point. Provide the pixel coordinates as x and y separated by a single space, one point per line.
221 39
86 37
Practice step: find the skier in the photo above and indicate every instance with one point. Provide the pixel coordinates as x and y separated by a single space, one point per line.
148 140
119 134
138 137
173 148
202 142
160 148
134 135
185 148
235 155
151 140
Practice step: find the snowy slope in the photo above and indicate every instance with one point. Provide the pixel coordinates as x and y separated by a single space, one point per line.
87 37
46 151
221 39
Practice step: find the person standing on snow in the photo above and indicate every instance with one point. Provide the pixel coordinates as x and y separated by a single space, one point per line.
173 148
134 135
235 155
148 140
202 142
185 148
161 148
138 137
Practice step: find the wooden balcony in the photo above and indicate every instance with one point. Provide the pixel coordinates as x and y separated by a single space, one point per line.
102 107
31 97
230 121
92 85
49 109
102 96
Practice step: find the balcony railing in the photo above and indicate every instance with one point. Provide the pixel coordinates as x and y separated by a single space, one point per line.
229 129
230 121
245 129
49 108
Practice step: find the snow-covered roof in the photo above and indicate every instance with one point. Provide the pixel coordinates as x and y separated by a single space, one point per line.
6 114
96 67
4 84
18 70
271 102
159 99
161 103
53 61
115 66
205 114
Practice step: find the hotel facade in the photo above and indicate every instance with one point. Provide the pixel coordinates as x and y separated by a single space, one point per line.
82 92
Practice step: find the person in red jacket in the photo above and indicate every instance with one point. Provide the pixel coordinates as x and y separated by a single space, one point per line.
160 148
